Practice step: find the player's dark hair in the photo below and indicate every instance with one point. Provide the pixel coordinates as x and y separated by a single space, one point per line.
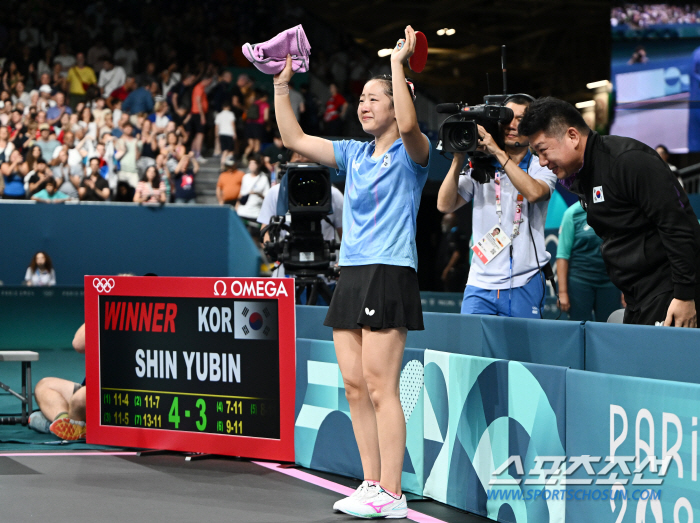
388 86
551 115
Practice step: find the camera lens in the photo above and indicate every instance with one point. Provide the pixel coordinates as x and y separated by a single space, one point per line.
462 136
308 188
466 137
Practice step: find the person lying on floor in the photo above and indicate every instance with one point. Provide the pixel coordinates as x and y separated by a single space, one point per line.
62 402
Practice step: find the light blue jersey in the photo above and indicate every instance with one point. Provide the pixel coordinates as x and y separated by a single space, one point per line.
381 203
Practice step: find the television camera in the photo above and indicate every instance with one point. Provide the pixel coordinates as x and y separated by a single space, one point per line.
299 243
459 133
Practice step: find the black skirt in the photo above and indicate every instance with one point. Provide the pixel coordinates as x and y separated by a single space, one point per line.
376 296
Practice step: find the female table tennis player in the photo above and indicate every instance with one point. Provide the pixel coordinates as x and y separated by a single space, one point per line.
376 300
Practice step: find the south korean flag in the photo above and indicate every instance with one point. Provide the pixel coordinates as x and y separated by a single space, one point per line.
255 320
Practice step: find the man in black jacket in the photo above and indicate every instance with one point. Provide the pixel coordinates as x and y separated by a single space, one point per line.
651 236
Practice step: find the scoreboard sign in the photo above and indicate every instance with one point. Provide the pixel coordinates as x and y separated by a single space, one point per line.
191 364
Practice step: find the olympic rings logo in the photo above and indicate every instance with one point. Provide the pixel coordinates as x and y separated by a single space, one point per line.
103 285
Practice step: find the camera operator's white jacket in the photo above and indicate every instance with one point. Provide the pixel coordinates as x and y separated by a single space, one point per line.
496 274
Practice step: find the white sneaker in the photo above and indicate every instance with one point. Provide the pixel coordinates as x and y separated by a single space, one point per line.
382 505
364 491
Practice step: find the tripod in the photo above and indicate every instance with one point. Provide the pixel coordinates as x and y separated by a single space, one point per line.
314 284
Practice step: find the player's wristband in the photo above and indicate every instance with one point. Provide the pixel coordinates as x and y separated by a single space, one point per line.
281 88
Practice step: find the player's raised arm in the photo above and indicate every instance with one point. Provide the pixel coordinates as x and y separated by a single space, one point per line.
417 145
316 149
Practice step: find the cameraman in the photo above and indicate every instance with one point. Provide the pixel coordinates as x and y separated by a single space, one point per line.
515 203
333 223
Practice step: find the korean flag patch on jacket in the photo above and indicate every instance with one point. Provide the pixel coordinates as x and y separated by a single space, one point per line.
598 194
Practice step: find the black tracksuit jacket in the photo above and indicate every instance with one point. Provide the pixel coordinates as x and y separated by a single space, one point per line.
651 236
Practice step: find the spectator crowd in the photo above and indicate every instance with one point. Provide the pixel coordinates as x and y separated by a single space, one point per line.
96 133
639 16
125 101
98 105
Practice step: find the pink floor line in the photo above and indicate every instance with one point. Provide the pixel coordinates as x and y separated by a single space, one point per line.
335 487
59 453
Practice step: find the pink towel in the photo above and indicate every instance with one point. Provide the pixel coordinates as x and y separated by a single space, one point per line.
271 57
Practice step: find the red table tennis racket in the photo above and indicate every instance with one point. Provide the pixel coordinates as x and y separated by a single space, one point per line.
420 54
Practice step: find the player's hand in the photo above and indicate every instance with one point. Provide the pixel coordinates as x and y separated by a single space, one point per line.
486 142
564 303
681 313
405 46
286 74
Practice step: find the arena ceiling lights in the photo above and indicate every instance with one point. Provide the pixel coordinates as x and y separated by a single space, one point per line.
554 47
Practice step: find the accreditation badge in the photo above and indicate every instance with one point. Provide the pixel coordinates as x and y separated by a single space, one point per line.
491 245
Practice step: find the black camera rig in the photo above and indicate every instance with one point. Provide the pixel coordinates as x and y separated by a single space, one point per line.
299 243
459 133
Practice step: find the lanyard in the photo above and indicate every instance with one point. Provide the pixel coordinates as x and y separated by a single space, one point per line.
518 219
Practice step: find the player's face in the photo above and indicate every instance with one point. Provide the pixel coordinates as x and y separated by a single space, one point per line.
375 109
510 130
562 155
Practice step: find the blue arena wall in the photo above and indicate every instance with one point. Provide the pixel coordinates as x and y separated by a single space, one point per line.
490 390
546 342
172 240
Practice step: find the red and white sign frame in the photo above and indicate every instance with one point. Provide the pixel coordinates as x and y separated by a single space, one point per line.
209 443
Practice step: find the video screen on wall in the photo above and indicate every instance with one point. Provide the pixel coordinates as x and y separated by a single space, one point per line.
656 74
